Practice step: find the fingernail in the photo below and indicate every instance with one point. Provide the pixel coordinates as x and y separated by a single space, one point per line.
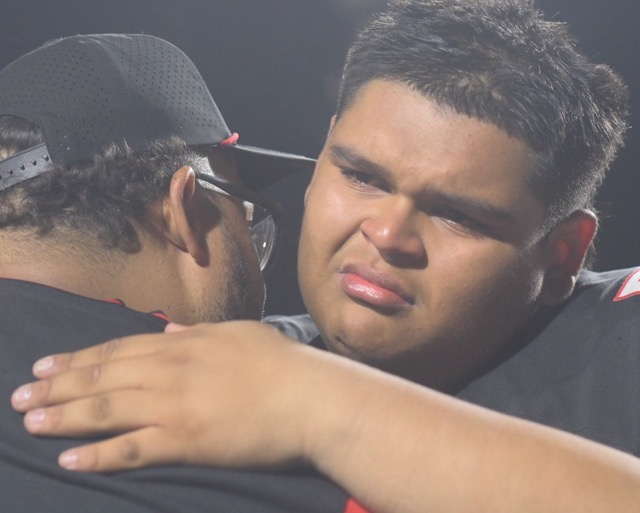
34 419
22 395
68 459
43 365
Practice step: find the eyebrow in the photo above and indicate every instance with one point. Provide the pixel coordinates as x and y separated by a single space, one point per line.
359 161
480 207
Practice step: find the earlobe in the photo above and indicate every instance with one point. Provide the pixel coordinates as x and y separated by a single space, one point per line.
180 224
565 251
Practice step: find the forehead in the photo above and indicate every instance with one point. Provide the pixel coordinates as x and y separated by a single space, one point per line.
423 144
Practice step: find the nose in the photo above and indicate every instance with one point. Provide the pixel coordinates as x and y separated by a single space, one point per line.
392 230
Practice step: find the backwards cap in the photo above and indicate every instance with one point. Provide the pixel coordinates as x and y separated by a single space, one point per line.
87 92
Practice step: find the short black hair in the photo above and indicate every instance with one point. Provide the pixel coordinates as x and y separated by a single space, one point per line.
105 198
501 62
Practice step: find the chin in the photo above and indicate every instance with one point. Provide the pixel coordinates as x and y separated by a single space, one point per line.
362 347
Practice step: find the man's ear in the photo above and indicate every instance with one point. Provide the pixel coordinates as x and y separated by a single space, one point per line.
179 210
565 250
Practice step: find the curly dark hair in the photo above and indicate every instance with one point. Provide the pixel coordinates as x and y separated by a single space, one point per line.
105 198
499 61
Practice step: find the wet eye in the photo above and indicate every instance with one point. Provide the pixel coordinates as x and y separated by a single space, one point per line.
363 180
356 176
461 221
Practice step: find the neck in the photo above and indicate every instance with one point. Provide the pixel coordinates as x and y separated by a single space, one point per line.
64 267
157 277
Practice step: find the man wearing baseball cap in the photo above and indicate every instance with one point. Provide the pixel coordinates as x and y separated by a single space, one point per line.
122 205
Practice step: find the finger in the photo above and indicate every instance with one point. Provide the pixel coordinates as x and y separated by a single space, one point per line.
114 412
97 378
31 395
173 327
128 451
116 348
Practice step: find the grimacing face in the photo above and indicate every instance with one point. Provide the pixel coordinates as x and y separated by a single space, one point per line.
421 250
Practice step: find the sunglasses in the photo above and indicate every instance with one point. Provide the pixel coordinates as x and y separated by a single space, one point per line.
262 215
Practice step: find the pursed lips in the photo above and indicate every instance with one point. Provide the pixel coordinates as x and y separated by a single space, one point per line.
362 282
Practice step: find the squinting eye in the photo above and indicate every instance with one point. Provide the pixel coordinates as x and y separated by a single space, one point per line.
461 221
364 180
356 176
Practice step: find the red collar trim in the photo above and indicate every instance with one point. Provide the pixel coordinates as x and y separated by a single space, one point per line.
157 313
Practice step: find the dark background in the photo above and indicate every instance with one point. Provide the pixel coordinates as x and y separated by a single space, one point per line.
273 68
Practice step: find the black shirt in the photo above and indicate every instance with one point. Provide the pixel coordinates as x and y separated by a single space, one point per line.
579 367
575 367
38 321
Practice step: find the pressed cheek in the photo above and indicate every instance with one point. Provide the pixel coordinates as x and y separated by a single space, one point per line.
329 222
330 217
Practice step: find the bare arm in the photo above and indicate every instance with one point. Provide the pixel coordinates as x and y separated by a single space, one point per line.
241 394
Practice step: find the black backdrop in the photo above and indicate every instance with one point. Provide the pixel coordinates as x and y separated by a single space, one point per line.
273 68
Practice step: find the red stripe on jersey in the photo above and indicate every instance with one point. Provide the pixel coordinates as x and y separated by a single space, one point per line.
114 301
157 313
353 507
162 316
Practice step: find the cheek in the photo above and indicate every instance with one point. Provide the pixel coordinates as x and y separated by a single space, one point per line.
482 278
329 220
328 223
504 293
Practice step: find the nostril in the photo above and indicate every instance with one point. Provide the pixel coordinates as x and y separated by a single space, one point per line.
400 245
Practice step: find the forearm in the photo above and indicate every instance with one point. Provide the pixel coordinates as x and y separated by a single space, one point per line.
399 447
253 397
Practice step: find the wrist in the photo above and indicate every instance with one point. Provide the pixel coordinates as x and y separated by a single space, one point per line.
337 397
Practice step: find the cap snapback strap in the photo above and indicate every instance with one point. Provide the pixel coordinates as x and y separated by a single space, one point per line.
24 165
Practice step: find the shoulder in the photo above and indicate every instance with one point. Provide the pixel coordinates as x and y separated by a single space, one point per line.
627 279
605 306
613 291
579 370
299 327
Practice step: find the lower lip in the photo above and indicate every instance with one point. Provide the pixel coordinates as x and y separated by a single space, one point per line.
357 287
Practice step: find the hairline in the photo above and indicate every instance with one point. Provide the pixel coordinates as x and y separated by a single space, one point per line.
537 159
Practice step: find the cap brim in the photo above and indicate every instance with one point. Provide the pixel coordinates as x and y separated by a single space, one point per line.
259 168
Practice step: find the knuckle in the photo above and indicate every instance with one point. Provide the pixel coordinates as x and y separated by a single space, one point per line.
93 373
108 349
177 356
130 451
189 426
100 408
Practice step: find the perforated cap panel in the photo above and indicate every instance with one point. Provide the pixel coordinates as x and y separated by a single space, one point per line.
86 92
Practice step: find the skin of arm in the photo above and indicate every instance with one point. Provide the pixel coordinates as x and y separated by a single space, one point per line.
241 394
